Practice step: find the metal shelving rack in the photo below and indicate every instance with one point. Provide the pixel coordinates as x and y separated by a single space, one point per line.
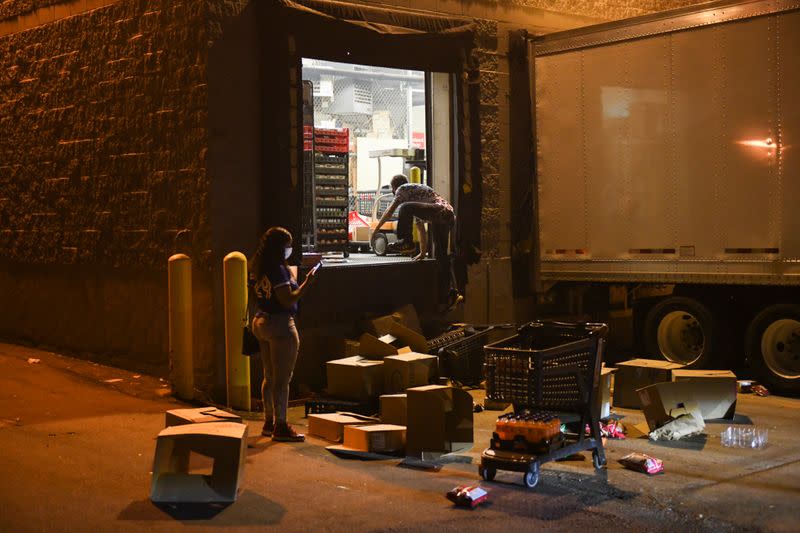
331 196
309 220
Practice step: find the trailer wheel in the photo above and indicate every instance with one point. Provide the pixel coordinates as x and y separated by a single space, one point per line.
531 478
772 346
682 330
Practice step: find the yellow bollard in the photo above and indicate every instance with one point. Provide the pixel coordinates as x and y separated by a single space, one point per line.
181 344
238 365
415 176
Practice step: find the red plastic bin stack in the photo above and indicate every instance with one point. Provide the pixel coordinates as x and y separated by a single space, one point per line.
331 141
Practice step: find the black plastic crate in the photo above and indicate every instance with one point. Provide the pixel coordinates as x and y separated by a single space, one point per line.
460 352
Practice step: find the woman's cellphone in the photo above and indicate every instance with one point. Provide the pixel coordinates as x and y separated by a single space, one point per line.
316 267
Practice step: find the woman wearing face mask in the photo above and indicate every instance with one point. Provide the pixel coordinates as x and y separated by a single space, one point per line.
276 293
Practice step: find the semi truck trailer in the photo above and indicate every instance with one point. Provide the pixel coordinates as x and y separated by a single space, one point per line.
667 177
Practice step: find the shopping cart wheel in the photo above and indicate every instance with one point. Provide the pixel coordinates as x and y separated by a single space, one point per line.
487 472
531 477
598 463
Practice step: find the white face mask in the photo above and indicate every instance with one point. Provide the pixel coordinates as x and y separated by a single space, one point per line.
287 252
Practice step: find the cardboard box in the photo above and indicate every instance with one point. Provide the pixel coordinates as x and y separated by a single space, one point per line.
378 438
177 417
603 399
371 347
330 426
362 233
354 378
405 316
225 442
439 419
660 399
638 373
394 409
714 390
397 335
406 370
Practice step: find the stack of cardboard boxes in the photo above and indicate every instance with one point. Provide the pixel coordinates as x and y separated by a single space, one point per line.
416 413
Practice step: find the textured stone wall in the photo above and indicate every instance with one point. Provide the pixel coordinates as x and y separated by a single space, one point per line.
103 118
103 149
15 8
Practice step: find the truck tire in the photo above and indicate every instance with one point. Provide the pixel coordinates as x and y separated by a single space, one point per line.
772 346
682 330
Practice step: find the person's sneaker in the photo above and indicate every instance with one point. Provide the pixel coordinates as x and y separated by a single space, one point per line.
268 428
284 433
400 247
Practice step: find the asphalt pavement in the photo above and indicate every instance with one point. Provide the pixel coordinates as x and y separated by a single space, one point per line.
78 439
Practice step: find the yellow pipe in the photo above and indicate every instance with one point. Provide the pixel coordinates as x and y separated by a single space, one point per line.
181 348
237 365
415 176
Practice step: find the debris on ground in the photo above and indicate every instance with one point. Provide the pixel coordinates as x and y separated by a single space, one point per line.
113 380
683 426
744 437
33 361
641 462
611 430
760 390
467 496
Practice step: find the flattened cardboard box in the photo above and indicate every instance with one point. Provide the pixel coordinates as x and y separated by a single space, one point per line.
394 409
378 438
354 378
638 373
406 370
330 426
439 419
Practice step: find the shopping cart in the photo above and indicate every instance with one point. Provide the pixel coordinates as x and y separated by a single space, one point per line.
547 367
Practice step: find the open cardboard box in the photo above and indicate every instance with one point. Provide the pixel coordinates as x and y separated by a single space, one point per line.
390 343
715 390
660 399
225 442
